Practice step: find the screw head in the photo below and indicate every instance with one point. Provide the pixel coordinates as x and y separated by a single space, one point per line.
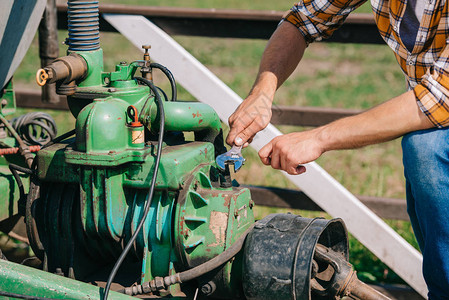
251 204
146 47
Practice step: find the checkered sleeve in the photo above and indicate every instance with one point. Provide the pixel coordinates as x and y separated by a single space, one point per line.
433 92
318 19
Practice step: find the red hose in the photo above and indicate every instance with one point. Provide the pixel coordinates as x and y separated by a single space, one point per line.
15 150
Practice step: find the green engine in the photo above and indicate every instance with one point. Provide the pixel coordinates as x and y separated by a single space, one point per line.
90 192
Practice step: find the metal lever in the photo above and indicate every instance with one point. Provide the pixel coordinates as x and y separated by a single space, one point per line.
232 157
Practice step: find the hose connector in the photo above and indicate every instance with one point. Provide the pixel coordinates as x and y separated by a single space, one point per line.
65 70
155 285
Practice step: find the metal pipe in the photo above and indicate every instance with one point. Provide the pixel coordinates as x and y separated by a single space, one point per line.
365 292
190 116
15 150
24 150
83 25
186 116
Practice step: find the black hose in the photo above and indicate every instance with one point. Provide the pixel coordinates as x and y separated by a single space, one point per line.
14 169
174 93
35 128
151 191
163 93
59 138
21 169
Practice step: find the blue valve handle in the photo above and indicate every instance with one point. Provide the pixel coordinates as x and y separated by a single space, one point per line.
232 157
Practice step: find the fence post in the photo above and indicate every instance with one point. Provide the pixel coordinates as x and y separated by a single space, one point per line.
49 47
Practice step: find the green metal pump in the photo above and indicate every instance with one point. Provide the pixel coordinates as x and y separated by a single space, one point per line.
99 181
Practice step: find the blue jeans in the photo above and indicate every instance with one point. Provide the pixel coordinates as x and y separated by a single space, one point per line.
426 168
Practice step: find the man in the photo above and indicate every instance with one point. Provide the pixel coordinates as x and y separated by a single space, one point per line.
418 33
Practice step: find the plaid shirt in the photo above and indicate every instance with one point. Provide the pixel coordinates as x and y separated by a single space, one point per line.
426 67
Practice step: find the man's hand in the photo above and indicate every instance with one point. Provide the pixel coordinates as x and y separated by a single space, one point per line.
279 60
288 152
253 115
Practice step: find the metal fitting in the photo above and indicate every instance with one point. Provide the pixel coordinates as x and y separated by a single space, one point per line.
67 69
251 204
145 69
208 288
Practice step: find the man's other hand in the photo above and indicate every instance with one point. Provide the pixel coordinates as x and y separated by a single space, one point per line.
289 151
252 115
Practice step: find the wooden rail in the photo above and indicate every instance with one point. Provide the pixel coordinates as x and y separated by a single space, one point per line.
282 115
253 24
387 208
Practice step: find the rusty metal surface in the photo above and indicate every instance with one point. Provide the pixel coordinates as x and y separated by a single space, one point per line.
363 291
257 24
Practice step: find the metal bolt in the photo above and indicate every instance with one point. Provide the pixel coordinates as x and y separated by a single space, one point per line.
259 225
112 90
208 288
146 56
159 283
123 63
251 204
59 272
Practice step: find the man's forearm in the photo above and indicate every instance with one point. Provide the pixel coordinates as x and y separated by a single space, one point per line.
281 56
382 123
385 122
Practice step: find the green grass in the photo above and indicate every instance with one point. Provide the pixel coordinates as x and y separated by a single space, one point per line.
330 75
229 4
